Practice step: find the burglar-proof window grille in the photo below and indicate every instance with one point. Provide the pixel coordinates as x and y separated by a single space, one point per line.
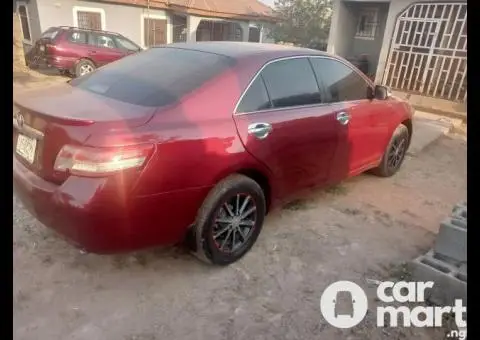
367 23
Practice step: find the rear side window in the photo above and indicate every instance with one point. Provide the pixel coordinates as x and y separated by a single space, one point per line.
341 82
256 98
155 77
78 37
291 82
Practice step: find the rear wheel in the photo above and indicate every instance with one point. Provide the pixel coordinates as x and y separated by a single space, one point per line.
395 153
83 67
229 220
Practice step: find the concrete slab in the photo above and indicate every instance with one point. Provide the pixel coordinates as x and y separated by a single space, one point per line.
427 128
435 105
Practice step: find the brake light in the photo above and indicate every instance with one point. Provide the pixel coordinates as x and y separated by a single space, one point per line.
50 48
87 161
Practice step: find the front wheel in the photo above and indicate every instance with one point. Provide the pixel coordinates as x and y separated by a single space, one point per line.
229 220
394 154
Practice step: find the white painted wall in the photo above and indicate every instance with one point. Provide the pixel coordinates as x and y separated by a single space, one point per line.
126 20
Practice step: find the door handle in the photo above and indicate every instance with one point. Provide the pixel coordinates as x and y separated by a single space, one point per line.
92 52
343 118
260 130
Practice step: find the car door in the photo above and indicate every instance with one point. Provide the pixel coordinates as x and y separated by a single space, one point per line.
103 48
77 45
284 123
363 123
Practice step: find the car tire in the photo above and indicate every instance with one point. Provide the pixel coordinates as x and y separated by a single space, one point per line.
394 154
83 67
222 243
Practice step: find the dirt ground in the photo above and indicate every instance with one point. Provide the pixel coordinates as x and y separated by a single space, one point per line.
366 227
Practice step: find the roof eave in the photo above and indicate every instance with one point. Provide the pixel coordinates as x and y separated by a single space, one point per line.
159 4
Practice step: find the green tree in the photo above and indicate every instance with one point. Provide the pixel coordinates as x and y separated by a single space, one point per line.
303 22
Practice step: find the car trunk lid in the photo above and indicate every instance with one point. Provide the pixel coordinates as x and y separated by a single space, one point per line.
46 120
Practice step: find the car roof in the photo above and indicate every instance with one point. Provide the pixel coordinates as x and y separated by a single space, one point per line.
68 28
240 50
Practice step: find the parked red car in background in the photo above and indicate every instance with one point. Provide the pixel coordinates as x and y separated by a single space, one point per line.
198 141
77 51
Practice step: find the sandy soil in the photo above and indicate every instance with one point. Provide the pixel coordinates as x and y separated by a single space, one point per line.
366 227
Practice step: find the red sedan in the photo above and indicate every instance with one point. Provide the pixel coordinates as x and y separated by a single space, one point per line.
198 141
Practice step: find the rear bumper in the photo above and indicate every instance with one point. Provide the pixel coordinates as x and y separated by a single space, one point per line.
94 215
60 62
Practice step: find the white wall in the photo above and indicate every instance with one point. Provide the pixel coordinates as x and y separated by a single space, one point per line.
342 29
126 20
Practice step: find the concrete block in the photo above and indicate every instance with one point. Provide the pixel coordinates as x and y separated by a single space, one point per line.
452 239
460 210
450 282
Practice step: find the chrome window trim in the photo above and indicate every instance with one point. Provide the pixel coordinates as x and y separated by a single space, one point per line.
235 113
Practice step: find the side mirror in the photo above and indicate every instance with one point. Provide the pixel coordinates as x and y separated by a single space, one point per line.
380 92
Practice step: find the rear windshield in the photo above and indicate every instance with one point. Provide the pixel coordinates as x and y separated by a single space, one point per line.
51 33
155 77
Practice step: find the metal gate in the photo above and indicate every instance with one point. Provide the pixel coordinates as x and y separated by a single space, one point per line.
428 54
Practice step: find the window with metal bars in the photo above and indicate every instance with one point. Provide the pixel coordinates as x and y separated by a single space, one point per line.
22 12
367 23
179 28
89 20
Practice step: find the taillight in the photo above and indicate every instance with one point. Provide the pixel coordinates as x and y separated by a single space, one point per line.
87 161
50 48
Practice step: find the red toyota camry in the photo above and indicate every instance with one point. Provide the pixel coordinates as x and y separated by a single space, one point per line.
198 141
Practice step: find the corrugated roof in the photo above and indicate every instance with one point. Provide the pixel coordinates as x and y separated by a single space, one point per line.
247 9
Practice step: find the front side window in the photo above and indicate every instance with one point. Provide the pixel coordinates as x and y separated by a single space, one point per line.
291 82
126 44
102 40
256 98
341 82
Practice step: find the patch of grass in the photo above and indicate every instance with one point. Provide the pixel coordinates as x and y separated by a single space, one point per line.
47 259
119 262
400 272
142 336
299 204
352 211
141 259
337 190
22 296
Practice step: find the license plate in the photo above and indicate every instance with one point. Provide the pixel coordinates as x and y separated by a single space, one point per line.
26 147
42 48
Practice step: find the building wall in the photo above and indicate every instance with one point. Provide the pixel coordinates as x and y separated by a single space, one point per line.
372 47
342 29
126 20
34 22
